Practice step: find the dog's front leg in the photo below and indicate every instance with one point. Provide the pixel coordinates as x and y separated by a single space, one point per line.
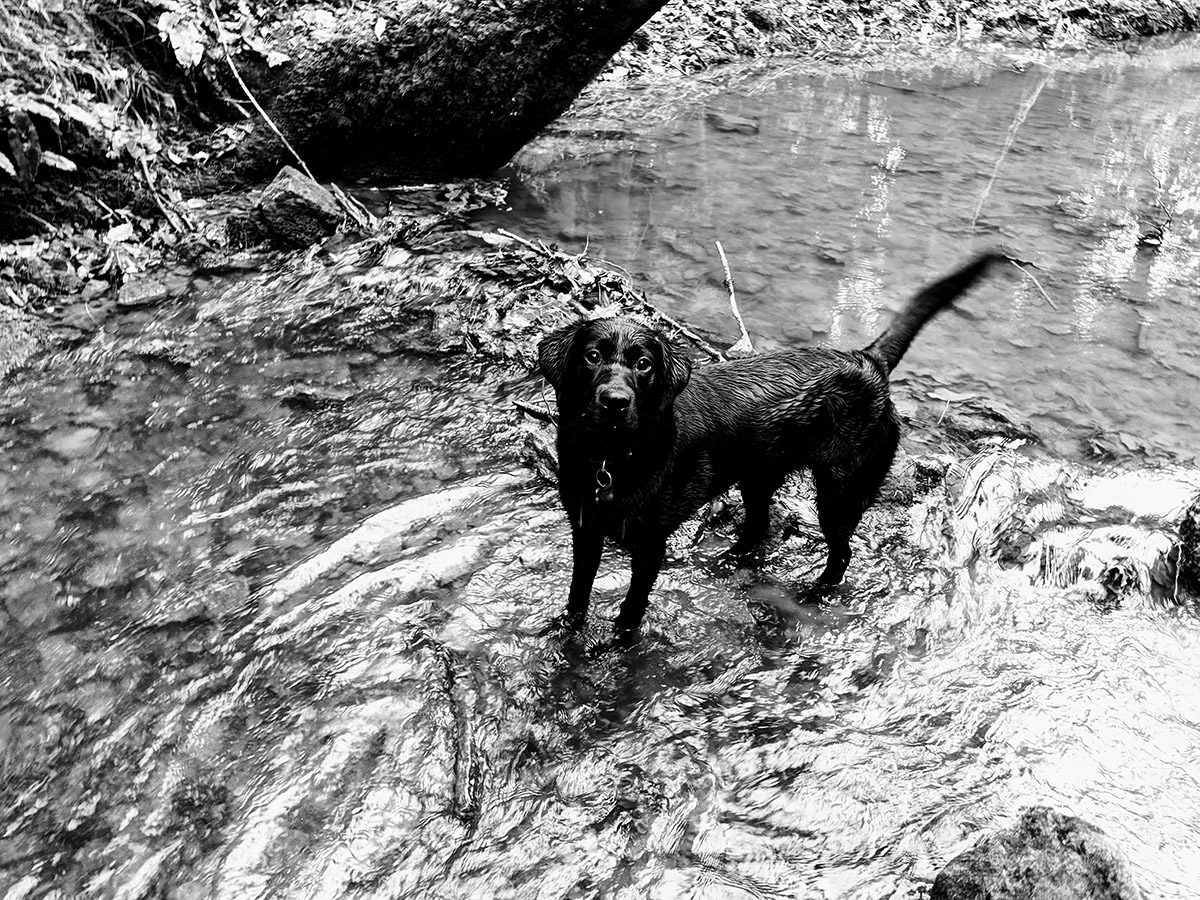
647 559
587 543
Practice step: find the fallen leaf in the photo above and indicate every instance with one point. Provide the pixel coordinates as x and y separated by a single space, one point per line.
950 396
118 233
59 162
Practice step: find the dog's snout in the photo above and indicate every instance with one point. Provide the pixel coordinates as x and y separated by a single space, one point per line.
615 400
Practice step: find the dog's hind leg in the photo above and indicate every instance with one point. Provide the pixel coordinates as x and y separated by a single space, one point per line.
842 498
647 559
756 501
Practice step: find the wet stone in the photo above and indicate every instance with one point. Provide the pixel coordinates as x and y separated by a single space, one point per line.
34 602
1046 855
731 124
73 443
798 333
84 314
295 211
142 292
107 572
1189 544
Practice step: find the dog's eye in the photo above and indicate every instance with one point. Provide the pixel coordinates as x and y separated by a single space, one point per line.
645 364
593 357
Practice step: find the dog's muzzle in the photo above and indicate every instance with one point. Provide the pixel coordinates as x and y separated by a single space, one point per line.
613 407
614 401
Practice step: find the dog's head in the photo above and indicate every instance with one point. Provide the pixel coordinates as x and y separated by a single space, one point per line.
614 376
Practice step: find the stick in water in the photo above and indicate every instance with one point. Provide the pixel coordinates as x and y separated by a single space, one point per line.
357 213
743 345
1037 283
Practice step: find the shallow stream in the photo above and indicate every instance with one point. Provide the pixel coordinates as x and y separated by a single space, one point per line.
274 589
836 197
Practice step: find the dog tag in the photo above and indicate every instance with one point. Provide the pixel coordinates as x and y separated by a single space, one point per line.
603 482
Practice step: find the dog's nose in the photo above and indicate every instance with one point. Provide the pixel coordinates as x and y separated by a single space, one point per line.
615 401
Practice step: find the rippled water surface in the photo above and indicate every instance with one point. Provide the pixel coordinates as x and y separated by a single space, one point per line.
274 590
835 197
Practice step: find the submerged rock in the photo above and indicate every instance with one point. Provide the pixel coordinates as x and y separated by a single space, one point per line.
1189 544
720 121
1047 856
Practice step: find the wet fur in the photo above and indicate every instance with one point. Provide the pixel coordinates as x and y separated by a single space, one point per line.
644 442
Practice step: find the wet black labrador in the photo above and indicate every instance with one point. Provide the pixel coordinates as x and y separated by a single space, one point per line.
643 442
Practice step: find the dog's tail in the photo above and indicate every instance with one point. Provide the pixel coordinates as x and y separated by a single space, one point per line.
889 347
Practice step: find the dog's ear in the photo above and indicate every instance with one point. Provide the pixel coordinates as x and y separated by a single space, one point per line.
554 352
677 369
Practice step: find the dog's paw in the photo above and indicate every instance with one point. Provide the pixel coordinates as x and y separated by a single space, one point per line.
562 626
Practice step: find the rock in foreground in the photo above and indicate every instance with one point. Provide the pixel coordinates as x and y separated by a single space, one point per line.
1044 856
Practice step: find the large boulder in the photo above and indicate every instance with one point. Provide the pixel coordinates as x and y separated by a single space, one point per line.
1046 855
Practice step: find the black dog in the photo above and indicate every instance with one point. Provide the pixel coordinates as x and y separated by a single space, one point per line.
643 442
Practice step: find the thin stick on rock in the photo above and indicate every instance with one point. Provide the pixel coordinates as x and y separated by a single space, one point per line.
682 329
743 345
646 306
360 216
1037 283
212 7
504 232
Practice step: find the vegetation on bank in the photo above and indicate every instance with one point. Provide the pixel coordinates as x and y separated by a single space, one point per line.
109 106
686 38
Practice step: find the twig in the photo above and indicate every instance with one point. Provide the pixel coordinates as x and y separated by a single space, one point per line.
175 219
645 304
534 412
520 240
743 344
945 409
362 216
410 188
1032 278
700 342
1013 128
353 209
212 6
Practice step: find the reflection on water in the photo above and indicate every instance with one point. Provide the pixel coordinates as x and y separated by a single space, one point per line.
836 197
274 592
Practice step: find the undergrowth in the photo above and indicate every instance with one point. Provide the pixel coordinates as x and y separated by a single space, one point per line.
689 37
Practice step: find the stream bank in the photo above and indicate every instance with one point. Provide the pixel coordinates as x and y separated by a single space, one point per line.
283 552
122 117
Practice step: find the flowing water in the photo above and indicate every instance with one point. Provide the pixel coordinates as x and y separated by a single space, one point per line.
835 198
274 589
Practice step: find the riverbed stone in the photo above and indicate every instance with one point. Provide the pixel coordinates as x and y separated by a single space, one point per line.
294 211
1047 855
73 442
731 124
142 292
1189 544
